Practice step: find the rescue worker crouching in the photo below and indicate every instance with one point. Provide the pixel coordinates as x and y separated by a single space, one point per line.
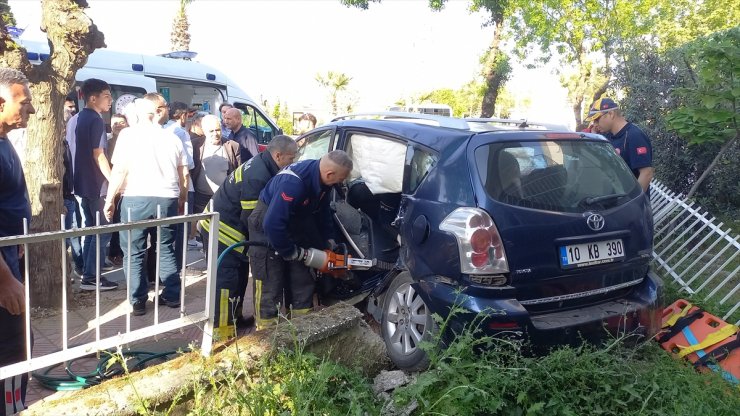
293 211
234 201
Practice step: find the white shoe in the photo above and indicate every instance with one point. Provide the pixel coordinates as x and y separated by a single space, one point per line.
194 244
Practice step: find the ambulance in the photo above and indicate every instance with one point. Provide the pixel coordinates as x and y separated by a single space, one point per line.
131 75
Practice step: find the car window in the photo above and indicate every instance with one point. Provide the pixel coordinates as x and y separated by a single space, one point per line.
379 161
314 145
421 163
554 175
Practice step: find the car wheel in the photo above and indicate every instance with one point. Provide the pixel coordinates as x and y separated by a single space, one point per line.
407 321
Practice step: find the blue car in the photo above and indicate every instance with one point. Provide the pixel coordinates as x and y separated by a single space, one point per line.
542 234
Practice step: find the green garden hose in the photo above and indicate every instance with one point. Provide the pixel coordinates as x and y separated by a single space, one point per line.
135 360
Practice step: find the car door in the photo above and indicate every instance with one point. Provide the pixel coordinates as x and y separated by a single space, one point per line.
413 220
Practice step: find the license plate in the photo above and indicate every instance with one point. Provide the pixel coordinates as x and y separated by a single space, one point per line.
591 254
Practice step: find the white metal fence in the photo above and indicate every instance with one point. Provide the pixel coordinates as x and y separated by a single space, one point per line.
185 317
694 249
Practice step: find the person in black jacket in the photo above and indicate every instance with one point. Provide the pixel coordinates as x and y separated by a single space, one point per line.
234 201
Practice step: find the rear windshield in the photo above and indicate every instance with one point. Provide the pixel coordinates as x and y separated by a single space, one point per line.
563 175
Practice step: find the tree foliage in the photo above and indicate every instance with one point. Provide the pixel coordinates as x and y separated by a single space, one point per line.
335 83
72 36
710 103
465 101
693 19
282 117
180 35
654 84
6 15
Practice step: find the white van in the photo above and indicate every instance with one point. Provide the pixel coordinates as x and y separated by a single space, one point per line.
132 75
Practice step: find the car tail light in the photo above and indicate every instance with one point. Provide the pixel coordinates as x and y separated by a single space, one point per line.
478 241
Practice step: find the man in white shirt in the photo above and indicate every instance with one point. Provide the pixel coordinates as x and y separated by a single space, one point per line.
178 118
151 173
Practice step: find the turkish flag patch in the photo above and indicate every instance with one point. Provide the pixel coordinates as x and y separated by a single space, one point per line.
642 150
286 197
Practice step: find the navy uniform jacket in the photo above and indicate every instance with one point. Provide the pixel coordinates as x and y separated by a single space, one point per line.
296 192
237 197
634 147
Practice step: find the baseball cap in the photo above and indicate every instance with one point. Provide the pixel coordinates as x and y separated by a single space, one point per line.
599 107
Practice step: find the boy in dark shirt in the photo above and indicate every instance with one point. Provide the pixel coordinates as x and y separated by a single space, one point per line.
91 173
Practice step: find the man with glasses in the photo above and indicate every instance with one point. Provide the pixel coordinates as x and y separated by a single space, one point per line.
629 141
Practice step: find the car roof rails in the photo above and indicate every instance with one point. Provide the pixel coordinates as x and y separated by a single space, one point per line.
521 123
428 119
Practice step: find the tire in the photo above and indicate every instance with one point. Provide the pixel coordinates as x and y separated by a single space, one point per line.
406 322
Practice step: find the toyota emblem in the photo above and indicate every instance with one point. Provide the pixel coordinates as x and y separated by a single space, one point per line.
595 222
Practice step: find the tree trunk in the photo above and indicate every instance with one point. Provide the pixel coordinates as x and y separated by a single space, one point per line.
494 79
711 166
601 90
72 37
578 113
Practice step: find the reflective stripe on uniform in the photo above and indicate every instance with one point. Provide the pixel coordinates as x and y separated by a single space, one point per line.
223 333
249 204
257 301
299 312
287 171
238 175
226 234
223 305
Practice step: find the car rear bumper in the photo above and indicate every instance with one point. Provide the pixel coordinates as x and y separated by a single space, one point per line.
636 315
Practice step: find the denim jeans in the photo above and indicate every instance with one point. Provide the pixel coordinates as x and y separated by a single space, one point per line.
88 208
70 222
144 208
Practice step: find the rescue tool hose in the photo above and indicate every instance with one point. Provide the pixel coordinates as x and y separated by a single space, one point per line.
243 243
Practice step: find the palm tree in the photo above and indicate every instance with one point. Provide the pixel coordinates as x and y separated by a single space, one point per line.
335 82
180 36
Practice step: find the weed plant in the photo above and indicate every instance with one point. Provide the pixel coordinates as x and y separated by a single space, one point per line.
481 375
473 375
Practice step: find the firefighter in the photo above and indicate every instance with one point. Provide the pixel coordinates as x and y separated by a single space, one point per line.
234 201
293 211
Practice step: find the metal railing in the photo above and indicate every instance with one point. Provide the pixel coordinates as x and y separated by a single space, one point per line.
185 318
691 246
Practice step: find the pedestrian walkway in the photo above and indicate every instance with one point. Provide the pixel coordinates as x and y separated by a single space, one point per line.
82 325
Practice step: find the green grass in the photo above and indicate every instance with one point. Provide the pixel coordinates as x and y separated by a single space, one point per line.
287 383
474 375
615 380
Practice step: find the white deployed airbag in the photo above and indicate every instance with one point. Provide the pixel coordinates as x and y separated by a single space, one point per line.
379 162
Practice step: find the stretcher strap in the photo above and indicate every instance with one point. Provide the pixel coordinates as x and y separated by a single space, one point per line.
676 315
718 354
711 339
679 325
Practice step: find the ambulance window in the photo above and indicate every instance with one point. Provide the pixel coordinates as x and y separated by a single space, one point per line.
122 96
254 120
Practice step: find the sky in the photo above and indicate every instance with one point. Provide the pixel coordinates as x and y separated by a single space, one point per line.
274 49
